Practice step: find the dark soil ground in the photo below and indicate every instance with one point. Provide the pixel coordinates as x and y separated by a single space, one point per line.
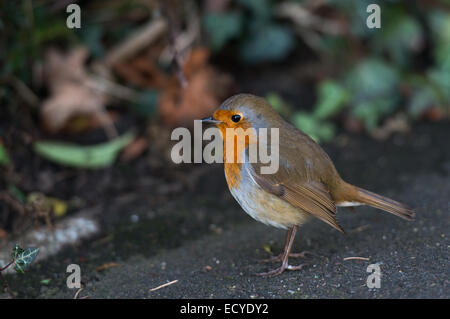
203 239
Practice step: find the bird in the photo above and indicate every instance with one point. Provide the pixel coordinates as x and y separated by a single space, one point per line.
305 186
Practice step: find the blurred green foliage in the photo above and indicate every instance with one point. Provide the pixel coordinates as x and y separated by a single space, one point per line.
403 66
317 124
4 157
372 73
261 37
92 156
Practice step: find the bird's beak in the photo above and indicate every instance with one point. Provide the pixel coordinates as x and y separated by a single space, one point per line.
210 120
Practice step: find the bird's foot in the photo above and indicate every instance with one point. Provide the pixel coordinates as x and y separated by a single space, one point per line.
280 270
280 257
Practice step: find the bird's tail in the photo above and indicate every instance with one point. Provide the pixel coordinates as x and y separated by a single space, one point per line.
362 196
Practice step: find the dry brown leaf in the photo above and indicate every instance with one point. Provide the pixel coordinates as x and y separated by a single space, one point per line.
68 82
204 92
206 87
435 114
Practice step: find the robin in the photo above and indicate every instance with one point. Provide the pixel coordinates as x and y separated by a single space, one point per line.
305 185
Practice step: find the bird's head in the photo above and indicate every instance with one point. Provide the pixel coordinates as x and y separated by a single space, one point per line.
243 111
240 117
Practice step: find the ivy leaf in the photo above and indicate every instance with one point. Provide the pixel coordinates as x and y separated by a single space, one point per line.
439 22
279 104
267 43
24 258
332 98
422 98
222 27
374 86
319 131
16 251
401 36
373 110
372 78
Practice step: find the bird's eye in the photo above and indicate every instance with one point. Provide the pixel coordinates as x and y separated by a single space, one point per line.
236 118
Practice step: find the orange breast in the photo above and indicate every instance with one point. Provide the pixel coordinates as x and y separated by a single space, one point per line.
233 165
233 174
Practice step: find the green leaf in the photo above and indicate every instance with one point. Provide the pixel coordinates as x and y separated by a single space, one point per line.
25 258
267 43
4 157
332 99
439 22
95 156
279 104
319 131
374 86
372 78
222 27
16 251
441 81
422 99
401 36
373 110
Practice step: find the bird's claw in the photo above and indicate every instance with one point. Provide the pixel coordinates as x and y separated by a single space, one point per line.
280 257
280 270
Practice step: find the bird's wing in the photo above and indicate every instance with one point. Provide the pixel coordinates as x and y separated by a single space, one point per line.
298 179
312 197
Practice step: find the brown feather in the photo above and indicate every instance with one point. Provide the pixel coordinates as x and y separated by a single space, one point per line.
310 197
352 193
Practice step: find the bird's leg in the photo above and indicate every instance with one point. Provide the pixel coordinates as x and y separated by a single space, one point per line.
285 257
280 257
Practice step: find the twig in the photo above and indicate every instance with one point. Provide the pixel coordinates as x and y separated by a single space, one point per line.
304 18
104 85
6 286
356 258
164 285
77 293
185 39
172 42
138 41
13 203
10 263
5 283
